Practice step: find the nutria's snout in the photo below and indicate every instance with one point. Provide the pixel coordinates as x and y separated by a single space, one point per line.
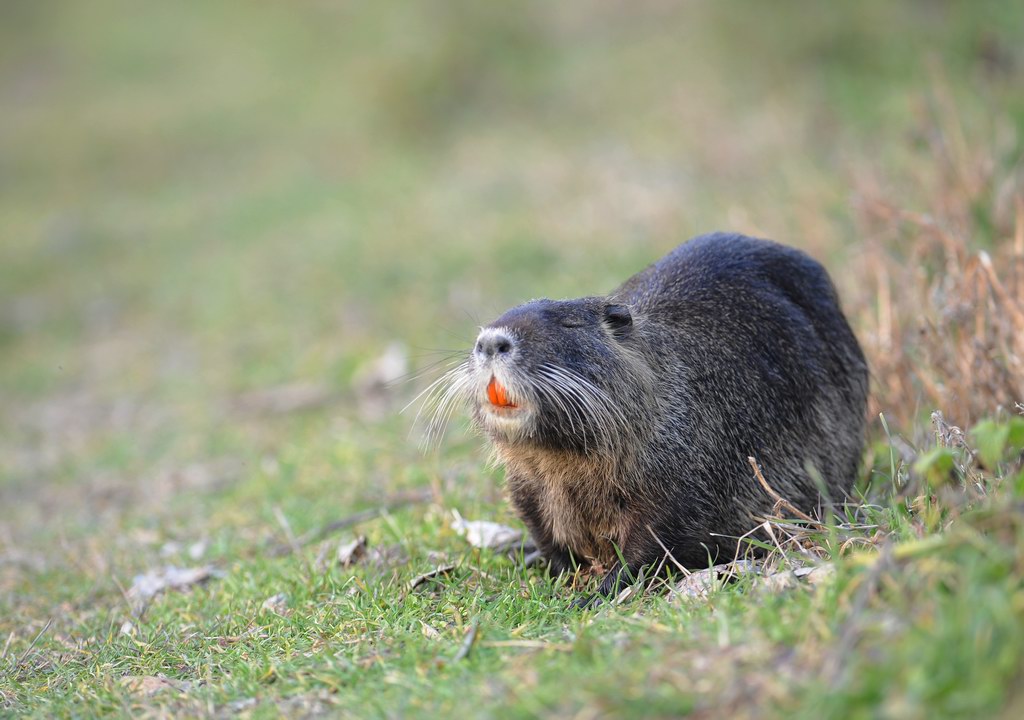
494 343
498 394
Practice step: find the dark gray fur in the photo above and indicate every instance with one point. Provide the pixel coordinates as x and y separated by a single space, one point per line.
726 348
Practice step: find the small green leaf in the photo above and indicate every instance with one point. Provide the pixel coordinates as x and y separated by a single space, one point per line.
1016 437
936 465
991 438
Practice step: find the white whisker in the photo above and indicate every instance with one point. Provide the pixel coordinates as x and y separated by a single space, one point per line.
439 398
588 399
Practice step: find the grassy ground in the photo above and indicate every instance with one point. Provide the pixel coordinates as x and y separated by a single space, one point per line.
223 227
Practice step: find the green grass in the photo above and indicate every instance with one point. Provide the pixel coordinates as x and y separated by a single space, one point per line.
199 202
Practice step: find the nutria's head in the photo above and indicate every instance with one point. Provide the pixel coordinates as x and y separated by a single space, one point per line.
555 374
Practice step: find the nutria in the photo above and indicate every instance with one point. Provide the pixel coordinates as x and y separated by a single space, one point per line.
625 422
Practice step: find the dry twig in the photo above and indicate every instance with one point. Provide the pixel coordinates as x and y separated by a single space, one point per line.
779 500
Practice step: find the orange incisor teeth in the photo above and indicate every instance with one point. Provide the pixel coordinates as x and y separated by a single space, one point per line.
497 394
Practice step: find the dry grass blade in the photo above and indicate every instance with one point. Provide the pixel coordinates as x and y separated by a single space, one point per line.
780 502
436 572
336 526
28 651
467 643
7 647
286 527
1016 314
945 322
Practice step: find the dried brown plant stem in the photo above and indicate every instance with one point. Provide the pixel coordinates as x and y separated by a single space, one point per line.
997 286
779 500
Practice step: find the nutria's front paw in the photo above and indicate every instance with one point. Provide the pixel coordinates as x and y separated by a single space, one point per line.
612 583
586 601
615 581
559 561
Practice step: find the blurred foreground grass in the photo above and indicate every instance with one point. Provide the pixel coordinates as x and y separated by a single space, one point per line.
215 220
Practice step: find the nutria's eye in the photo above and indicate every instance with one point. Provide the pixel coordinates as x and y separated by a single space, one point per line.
571 323
618 319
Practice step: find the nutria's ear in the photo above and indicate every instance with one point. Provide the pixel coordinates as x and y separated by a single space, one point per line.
619 320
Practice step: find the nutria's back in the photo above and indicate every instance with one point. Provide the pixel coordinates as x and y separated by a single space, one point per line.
625 422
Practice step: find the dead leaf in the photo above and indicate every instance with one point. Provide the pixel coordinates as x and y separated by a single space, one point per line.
701 583
277 604
197 549
697 584
152 684
352 552
149 585
809 575
815 574
486 534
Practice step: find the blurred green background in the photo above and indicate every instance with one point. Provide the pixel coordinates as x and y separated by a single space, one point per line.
215 218
236 238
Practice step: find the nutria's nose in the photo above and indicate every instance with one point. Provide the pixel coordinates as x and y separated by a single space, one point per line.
494 343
